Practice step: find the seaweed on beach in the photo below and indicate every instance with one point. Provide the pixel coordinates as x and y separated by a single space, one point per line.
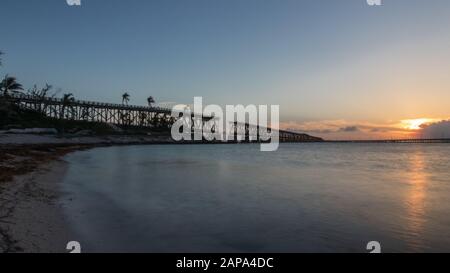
23 159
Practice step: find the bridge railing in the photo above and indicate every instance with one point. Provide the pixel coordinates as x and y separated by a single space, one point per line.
31 98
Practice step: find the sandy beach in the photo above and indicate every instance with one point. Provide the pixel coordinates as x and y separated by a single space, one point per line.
31 166
30 216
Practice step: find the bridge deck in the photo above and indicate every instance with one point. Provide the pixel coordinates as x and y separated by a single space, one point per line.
58 101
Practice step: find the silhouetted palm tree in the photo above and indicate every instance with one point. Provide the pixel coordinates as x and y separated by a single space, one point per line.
10 84
150 101
68 98
125 98
67 101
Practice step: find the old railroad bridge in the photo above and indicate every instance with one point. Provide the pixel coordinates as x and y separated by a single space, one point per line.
121 115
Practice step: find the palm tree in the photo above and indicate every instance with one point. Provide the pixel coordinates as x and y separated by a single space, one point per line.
67 100
10 84
125 98
1 53
150 101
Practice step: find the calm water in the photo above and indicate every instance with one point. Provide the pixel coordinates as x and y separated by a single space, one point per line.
234 198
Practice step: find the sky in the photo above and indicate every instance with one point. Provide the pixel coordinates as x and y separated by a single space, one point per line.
338 69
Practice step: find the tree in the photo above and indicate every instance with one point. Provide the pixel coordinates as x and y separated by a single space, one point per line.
150 101
40 93
125 98
67 101
41 96
10 84
1 53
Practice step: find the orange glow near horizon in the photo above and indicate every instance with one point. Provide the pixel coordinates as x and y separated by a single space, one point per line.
341 129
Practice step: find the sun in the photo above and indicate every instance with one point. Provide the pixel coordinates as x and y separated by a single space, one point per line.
415 124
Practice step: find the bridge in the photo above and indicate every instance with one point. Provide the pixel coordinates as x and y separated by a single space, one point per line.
123 115
117 114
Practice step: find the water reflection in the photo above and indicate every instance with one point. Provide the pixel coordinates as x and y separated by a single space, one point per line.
233 198
415 201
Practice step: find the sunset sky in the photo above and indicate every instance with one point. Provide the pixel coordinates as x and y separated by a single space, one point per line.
338 69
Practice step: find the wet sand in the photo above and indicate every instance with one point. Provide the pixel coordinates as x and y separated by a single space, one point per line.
30 169
30 218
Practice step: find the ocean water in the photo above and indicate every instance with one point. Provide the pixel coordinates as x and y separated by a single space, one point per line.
311 197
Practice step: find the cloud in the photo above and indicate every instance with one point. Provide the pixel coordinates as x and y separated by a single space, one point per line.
334 126
349 129
437 130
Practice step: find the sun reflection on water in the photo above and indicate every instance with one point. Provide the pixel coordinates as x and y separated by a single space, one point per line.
415 201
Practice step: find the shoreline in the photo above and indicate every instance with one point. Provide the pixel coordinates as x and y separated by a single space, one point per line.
31 166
